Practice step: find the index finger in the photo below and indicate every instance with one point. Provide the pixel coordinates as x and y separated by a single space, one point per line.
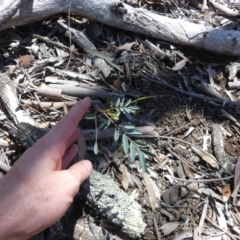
65 128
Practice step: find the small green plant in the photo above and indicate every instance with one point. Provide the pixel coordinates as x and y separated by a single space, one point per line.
132 148
121 107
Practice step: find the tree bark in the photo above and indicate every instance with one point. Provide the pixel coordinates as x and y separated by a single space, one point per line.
8 8
117 14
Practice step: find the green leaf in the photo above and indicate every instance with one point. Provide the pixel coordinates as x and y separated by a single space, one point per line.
133 132
143 98
118 112
116 134
125 143
148 153
95 148
111 104
128 102
104 56
104 125
89 116
132 152
118 102
127 125
140 144
134 108
127 110
142 161
122 102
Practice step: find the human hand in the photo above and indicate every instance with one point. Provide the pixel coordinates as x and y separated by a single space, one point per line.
38 189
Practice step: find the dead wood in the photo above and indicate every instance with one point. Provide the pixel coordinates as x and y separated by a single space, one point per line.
8 9
117 14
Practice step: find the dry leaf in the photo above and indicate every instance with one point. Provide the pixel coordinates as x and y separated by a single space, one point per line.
26 60
226 192
211 160
44 124
236 181
65 109
208 90
183 235
222 222
124 178
126 46
178 66
150 190
169 227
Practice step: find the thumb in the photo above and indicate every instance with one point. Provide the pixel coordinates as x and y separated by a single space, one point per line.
81 170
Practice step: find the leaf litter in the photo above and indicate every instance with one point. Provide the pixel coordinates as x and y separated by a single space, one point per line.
170 177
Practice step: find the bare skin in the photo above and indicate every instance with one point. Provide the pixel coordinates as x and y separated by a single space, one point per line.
39 188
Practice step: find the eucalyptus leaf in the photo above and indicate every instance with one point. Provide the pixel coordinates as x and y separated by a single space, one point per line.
116 134
140 144
133 132
95 148
142 161
148 153
104 125
125 143
89 116
132 152
127 125
105 57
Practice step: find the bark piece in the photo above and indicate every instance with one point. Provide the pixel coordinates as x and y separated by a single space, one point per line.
114 204
8 9
82 41
118 14
219 151
87 229
9 99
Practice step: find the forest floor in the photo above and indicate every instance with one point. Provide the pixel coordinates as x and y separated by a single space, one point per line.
190 180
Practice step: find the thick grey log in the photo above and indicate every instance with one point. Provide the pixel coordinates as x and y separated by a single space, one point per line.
8 9
117 14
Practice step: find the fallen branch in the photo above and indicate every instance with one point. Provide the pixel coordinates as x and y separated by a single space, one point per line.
162 82
8 9
118 14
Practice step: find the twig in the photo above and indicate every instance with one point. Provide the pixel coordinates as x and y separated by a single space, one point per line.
70 37
235 191
180 140
58 45
160 81
156 229
203 216
178 157
203 180
226 232
180 128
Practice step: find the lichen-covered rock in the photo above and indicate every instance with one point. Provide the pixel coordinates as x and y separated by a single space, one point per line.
114 204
